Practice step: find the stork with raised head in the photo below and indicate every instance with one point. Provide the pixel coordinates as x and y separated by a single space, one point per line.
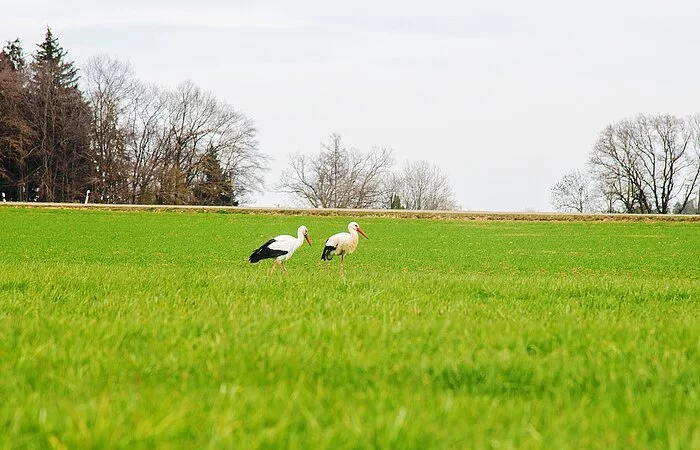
281 248
342 244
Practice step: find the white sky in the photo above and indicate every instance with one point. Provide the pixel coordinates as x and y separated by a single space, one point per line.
505 96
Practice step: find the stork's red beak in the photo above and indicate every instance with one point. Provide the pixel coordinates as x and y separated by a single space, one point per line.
306 236
359 230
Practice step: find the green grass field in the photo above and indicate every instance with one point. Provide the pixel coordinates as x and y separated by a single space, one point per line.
151 330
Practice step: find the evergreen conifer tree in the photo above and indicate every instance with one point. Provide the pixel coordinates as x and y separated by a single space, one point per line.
396 202
61 162
13 56
214 188
52 58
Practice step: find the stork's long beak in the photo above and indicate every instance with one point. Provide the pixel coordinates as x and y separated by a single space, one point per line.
306 236
359 230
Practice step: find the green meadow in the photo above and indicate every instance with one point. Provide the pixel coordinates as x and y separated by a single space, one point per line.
125 329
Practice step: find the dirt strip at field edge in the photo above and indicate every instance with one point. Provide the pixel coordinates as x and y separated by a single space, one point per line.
383 213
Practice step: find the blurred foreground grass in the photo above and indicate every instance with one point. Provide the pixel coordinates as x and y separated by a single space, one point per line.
151 330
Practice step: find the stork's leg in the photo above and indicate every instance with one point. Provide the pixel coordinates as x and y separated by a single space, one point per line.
284 267
274 266
342 258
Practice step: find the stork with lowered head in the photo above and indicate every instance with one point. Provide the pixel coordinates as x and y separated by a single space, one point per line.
281 248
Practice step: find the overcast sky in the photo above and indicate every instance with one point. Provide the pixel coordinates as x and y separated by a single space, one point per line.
505 96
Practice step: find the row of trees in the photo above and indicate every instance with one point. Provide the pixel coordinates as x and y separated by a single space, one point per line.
44 125
647 164
123 139
171 147
338 177
64 132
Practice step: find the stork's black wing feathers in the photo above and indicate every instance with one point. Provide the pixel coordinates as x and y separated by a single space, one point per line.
326 255
265 252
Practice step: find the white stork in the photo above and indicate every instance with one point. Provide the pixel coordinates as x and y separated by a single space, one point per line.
342 244
281 248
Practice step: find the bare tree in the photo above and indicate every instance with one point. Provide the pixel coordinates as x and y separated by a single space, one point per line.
109 86
240 159
646 162
146 141
692 181
16 133
422 185
198 125
338 177
61 134
157 146
574 193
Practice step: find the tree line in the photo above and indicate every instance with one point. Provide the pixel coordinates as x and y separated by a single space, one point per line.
649 164
341 177
65 132
126 141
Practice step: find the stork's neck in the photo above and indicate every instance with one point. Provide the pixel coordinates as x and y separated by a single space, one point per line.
300 240
353 234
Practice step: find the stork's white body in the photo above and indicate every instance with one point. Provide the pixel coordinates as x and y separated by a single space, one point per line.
281 248
342 244
288 244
